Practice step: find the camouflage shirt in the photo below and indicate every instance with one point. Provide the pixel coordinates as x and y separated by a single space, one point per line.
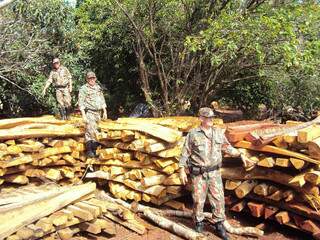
60 77
91 97
205 151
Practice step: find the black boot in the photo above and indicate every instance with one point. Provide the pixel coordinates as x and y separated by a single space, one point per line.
199 227
62 113
90 150
221 231
68 112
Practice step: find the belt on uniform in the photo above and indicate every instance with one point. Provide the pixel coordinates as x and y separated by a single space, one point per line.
197 170
92 110
61 86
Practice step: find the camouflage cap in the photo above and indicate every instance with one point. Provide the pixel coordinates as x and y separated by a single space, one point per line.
55 60
206 112
91 75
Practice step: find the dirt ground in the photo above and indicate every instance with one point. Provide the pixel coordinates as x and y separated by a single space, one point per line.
273 231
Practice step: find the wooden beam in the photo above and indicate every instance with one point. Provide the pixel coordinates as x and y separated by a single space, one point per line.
275 150
257 209
282 217
16 218
270 211
245 188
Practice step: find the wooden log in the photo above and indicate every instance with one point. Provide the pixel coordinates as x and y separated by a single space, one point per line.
280 142
282 217
313 177
106 225
173 179
62 131
290 138
308 134
80 213
239 173
257 209
67 233
297 163
174 189
51 151
90 227
261 189
231 184
275 150
248 231
288 195
298 180
15 218
267 162
45 224
314 148
17 179
53 174
16 161
239 206
37 231
159 220
132 226
94 210
153 180
269 211
265 136
24 233
58 218
310 226
175 205
245 188
158 131
276 196
282 162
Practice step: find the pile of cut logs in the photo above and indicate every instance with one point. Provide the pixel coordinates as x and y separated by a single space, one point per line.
283 182
138 160
135 161
52 212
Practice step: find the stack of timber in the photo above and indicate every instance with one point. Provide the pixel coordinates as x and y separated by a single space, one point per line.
283 183
138 159
53 212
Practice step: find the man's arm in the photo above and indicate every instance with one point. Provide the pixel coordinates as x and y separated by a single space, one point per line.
81 103
48 82
186 152
247 163
69 79
227 147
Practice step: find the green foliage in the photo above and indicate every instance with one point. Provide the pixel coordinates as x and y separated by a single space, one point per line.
270 55
33 33
164 52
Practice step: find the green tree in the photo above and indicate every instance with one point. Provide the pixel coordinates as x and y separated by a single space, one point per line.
32 34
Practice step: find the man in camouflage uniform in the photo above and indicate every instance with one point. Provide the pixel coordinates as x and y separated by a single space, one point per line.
92 104
61 79
202 155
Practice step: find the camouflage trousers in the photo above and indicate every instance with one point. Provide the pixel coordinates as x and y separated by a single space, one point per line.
208 184
93 118
63 97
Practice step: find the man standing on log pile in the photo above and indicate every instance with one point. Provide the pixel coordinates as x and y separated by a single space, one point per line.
61 79
202 155
92 104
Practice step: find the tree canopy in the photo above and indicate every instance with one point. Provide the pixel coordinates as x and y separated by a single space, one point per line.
242 53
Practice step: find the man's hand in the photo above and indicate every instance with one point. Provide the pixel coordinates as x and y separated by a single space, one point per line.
183 176
104 114
247 163
84 119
